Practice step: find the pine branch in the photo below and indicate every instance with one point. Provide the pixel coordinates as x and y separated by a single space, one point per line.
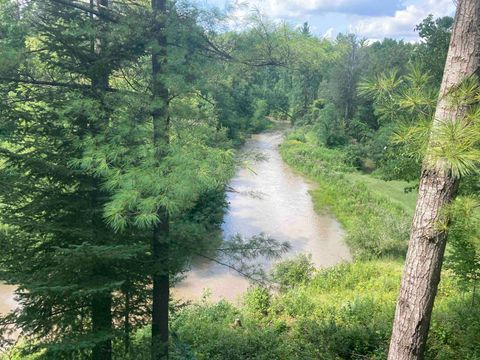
102 14
43 83
51 83
6 321
250 277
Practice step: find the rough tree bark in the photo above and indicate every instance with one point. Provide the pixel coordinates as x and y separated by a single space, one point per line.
160 239
437 189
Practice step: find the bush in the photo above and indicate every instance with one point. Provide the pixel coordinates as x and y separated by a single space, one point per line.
208 330
298 136
259 120
454 331
333 340
329 128
257 302
293 272
344 312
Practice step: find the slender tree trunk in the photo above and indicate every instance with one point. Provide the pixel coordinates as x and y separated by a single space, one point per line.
437 189
160 239
127 328
161 289
101 305
102 325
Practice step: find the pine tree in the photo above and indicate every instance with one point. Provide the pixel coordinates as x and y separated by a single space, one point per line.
58 250
448 157
159 167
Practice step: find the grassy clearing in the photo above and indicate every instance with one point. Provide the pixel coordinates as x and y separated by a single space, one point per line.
393 190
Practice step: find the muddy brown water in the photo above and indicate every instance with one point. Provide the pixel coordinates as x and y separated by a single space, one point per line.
7 301
281 208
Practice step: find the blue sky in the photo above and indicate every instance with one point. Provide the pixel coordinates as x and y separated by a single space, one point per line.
374 20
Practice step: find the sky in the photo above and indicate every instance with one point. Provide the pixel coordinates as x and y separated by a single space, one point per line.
370 19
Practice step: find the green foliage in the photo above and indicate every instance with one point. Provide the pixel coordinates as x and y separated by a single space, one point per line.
454 332
82 179
344 75
331 131
454 147
208 329
344 312
451 145
405 106
432 52
260 120
343 300
398 98
257 301
79 159
349 314
293 272
463 255
240 253
306 146
191 168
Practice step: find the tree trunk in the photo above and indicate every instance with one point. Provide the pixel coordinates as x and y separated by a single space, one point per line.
102 325
161 289
102 318
160 238
127 329
437 189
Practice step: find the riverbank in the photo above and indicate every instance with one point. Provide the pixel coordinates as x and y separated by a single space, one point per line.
344 312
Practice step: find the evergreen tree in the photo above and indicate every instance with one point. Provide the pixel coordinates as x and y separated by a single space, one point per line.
68 270
306 29
450 154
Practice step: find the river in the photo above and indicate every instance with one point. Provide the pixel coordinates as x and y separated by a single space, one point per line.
7 301
283 210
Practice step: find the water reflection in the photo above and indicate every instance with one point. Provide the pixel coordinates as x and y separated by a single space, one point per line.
7 301
284 211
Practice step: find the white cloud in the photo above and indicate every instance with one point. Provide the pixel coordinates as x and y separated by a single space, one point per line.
402 24
239 14
298 8
372 19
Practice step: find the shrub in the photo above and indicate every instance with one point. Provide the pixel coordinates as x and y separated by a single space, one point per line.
329 128
257 301
293 272
208 330
330 339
